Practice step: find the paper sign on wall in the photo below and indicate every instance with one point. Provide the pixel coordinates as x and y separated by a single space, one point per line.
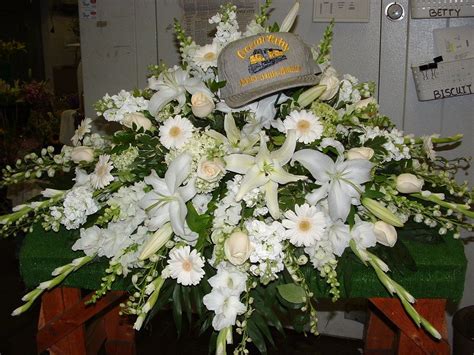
88 9
441 8
441 80
454 42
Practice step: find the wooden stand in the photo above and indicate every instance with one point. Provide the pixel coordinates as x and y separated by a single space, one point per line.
62 325
390 330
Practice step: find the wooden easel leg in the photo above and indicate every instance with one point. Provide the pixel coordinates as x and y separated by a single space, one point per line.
411 339
379 334
120 333
54 303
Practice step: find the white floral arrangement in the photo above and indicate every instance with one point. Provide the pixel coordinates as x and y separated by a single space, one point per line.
224 204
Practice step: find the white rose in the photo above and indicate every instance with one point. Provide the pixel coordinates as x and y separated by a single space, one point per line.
409 183
81 153
385 233
365 153
138 119
201 104
210 170
237 248
364 103
329 78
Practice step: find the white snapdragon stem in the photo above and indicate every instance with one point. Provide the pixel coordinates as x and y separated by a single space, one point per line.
61 273
289 20
156 285
394 288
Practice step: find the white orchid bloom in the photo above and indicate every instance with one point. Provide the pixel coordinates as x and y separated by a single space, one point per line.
265 169
340 181
167 201
172 84
234 140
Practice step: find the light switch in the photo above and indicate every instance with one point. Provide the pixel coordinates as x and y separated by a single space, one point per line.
341 10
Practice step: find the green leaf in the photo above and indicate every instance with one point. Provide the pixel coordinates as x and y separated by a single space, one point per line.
177 309
257 337
292 293
373 194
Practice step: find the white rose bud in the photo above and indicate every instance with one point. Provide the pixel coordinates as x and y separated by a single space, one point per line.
210 170
385 233
409 183
138 119
237 248
81 153
364 103
201 104
365 153
329 78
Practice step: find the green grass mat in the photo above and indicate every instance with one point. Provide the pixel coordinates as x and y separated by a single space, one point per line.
437 269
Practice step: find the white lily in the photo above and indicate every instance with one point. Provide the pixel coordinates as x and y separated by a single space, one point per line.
289 20
167 201
265 169
234 140
172 84
340 181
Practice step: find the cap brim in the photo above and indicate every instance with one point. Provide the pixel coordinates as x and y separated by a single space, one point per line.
235 101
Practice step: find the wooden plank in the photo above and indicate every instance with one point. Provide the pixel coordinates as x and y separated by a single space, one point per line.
120 333
73 317
95 336
431 309
379 334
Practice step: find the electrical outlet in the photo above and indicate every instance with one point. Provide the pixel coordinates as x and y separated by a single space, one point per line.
341 10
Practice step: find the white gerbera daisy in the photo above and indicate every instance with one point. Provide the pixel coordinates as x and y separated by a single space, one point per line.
306 226
101 177
307 126
175 132
186 265
81 131
206 56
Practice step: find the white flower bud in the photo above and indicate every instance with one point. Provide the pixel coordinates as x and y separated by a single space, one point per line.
364 103
409 183
237 248
201 104
385 233
81 153
138 119
365 153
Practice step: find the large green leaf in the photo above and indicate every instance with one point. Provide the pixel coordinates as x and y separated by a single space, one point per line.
292 293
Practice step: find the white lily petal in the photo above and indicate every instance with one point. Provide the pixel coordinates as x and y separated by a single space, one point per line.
239 163
160 99
187 191
326 142
357 170
317 194
158 184
160 217
289 20
285 153
178 171
177 211
317 163
282 177
252 179
217 136
339 201
271 199
233 133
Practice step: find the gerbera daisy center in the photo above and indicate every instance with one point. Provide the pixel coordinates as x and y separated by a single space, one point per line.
175 131
304 225
210 56
187 266
303 125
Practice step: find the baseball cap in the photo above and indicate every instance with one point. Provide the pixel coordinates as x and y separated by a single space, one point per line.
262 64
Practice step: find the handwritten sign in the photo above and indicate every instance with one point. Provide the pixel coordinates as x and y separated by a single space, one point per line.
441 80
442 8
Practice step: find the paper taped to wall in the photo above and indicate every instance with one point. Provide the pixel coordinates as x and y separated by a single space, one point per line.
454 42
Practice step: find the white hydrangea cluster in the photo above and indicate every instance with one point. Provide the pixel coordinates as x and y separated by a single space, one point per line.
77 205
127 198
94 140
395 146
123 160
321 253
115 107
267 254
224 299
